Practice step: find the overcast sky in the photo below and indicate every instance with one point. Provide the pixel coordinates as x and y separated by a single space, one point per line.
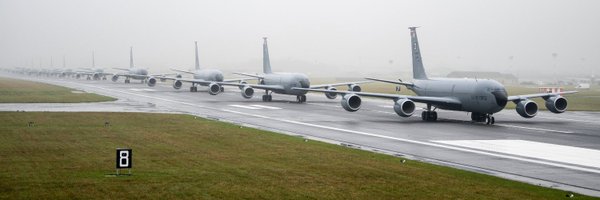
349 37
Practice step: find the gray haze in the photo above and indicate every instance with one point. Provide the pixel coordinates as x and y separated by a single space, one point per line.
349 37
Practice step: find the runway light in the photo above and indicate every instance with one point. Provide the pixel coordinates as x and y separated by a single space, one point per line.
30 124
403 161
305 140
106 124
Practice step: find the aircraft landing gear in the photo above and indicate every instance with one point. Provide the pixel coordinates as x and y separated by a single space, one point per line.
301 98
429 115
193 88
127 80
88 78
481 117
267 97
104 78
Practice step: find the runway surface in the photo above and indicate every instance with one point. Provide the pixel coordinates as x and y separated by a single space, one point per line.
560 151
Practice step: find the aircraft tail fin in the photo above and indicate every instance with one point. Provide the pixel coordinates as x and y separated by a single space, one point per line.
266 61
130 57
197 61
93 60
418 69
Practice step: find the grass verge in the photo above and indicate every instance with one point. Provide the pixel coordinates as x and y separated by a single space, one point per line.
68 155
21 91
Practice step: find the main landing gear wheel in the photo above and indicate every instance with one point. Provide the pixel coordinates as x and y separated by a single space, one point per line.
127 81
429 116
267 98
481 117
490 120
301 98
193 89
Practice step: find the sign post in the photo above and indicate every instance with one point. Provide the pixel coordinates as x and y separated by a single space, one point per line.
124 159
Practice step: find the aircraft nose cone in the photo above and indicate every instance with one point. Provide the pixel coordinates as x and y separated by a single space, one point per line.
501 98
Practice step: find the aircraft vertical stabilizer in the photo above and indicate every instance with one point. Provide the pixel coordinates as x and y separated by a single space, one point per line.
266 61
418 69
130 57
197 61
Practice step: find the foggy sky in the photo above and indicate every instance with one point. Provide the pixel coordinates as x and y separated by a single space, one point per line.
318 37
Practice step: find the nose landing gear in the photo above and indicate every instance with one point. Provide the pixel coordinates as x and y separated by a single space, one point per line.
481 117
301 98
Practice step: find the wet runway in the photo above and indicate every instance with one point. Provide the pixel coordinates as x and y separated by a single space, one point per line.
560 151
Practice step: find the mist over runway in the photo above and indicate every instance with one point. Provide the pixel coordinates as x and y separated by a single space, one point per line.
559 151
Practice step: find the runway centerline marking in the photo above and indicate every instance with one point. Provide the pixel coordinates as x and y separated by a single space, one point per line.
531 149
246 107
432 144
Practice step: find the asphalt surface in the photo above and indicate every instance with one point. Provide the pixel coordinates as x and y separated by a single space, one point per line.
553 150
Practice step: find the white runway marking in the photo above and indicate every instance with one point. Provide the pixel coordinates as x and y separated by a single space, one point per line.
246 107
267 107
256 107
139 90
532 128
538 150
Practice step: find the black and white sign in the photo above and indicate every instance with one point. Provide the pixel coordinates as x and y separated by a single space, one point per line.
124 158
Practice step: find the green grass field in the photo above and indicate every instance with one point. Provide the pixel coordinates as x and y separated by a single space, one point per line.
71 155
584 100
21 91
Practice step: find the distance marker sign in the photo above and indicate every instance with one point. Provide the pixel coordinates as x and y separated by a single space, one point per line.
124 158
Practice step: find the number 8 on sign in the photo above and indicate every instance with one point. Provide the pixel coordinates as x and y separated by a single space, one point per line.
123 158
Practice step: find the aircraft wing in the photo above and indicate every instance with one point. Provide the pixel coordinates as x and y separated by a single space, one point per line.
124 69
237 79
337 84
191 80
390 81
420 99
250 75
182 71
543 95
256 86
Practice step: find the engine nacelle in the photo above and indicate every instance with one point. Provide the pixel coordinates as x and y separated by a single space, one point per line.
242 86
247 92
354 88
115 78
527 108
331 95
151 81
177 84
404 107
96 76
77 76
556 104
214 89
351 102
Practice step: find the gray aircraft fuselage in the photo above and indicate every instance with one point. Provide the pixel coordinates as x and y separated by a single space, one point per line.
140 72
476 95
288 81
212 75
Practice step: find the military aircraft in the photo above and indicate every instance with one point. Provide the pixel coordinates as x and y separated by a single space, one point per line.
481 97
282 83
132 72
92 72
204 77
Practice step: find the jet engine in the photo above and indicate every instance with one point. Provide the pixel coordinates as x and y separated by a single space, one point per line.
556 104
331 95
351 102
527 108
177 84
243 83
96 76
354 88
214 89
404 107
151 81
247 92
115 78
